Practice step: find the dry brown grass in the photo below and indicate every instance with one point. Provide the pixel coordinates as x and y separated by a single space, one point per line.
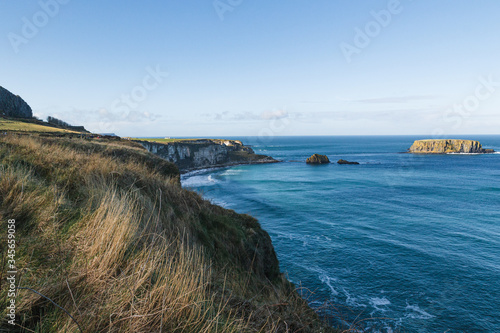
106 232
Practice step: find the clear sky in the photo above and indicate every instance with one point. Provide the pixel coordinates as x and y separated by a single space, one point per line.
260 67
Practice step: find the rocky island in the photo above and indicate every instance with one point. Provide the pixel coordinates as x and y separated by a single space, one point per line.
194 154
318 159
448 146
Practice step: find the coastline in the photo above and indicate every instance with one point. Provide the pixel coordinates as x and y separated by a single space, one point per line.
300 224
197 154
226 165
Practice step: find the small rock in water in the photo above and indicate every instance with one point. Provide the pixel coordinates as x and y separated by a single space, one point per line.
341 161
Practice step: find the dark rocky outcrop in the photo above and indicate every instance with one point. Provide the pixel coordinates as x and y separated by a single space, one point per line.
318 159
448 146
205 153
13 106
341 161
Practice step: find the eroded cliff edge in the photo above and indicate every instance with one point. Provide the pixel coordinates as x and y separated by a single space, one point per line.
191 155
448 146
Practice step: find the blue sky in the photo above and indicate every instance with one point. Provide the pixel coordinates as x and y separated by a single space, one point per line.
250 68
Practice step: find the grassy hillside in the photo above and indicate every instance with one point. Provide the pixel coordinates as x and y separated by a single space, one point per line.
193 140
7 124
105 230
167 140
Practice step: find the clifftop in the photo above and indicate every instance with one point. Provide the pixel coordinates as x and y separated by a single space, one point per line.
13 106
109 234
192 154
34 125
447 146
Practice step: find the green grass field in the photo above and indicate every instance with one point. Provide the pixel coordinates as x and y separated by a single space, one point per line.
23 126
167 140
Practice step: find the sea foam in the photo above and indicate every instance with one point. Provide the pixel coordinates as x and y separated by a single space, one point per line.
197 181
417 313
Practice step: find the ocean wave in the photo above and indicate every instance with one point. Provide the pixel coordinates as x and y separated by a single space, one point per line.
201 180
379 301
219 202
197 172
324 277
417 313
327 280
488 189
351 300
305 239
232 172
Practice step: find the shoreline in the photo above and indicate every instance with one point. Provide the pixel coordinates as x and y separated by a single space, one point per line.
402 166
225 165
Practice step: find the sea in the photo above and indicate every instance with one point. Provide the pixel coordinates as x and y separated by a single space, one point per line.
398 243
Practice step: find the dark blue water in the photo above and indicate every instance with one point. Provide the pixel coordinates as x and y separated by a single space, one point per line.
414 239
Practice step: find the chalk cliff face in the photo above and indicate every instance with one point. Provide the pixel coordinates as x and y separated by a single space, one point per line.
13 106
446 146
199 154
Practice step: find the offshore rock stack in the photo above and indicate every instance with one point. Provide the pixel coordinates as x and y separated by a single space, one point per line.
448 146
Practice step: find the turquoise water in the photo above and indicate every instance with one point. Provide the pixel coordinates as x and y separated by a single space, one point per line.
414 239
